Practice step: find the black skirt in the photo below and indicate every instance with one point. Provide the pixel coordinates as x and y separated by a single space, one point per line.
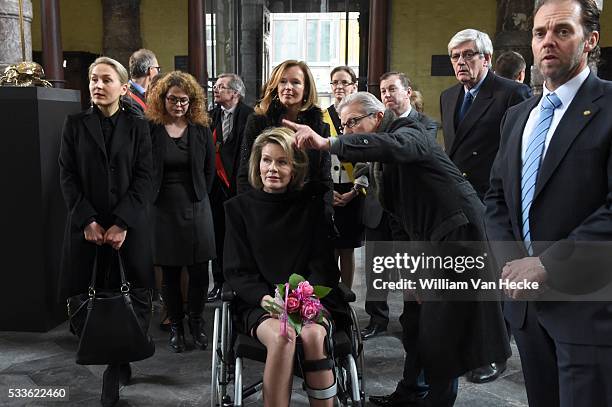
183 225
348 220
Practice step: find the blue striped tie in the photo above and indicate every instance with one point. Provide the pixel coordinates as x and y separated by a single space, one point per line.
532 160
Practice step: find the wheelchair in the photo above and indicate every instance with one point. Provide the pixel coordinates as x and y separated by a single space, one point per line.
230 349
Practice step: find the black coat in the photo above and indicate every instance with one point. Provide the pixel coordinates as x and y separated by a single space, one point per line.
230 149
422 188
201 156
295 222
105 187
572 202
132 106
472 144
431 126
319 166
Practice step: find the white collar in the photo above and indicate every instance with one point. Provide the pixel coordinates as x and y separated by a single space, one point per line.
568 90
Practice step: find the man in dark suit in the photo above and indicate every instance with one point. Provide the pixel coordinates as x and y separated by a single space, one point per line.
395 92
511 65
471 112
228 120
550 192
472 109
143 68
432 202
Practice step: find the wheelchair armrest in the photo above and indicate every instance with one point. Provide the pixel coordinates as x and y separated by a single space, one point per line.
227 294
347 294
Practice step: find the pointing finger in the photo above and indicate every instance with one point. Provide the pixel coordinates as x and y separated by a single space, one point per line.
290 124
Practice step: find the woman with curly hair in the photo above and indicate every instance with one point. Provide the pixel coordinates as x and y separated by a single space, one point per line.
183 169
289 94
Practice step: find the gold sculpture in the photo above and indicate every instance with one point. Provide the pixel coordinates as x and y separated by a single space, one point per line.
24 74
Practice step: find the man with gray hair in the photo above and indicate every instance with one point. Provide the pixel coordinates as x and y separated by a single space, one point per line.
471 112
143 67
229 117
423 190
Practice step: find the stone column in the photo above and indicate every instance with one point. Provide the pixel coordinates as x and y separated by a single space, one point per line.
250 48
10 33
514 23
197 41
53 58
121 36
377 45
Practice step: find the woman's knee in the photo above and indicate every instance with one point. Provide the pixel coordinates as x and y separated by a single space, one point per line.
313 338
269 333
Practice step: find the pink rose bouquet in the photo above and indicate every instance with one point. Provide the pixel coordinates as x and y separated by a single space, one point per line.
298 303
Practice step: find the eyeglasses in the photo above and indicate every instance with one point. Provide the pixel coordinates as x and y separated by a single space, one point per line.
220 88
173 100
156 67
353 121
341 83
467 55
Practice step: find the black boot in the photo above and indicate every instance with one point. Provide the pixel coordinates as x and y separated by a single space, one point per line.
196 327
177 337
110 386
125 374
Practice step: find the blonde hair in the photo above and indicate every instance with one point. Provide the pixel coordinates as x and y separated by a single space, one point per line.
116 65
270 88
156 106
284 138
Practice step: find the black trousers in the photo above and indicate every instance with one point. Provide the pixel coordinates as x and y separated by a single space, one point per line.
198 284
376 300
562 374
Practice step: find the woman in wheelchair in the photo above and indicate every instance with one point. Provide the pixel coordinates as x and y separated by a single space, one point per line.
274 230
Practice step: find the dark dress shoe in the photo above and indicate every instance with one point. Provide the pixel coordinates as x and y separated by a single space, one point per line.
485 374
125 374
110 386
177 337
196 328
372 330
214 294
395 399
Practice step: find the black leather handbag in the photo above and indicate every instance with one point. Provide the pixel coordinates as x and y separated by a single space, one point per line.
112 324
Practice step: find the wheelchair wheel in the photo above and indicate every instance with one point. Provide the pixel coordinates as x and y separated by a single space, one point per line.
220 356
358 356
347 378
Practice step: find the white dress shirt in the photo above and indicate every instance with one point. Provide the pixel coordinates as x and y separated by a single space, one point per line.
566 93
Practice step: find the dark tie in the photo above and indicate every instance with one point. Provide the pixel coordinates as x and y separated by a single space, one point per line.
467 102
532 161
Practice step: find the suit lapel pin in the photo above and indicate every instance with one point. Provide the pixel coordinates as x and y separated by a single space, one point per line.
586 113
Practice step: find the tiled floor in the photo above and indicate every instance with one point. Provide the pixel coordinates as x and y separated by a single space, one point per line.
30 360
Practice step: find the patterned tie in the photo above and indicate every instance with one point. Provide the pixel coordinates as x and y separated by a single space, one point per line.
532 160
227 125
467 102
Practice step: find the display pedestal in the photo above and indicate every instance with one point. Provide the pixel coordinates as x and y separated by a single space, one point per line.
32 210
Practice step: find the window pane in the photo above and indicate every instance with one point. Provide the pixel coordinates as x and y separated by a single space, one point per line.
325 51
311 36
285 40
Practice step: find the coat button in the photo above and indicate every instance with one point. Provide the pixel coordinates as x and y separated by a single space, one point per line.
464 175
474 152
365 141
336 168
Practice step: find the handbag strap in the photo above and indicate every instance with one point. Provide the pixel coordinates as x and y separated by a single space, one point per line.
125 285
